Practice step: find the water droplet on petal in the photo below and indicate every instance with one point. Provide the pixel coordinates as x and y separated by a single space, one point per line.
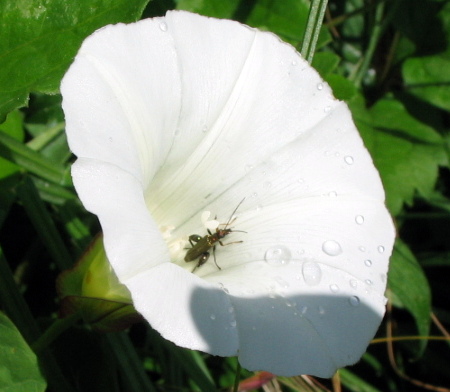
303 309
163 26
327 109
294 63
369 282
278 255
359 219
354 300
332 248
362 248
348 160
353 283
321 310
212 317
312 273
332 194
381 249
233 323
319 86
368 263
334 288
383 278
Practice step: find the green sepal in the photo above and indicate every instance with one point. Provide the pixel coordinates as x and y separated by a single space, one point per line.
92 289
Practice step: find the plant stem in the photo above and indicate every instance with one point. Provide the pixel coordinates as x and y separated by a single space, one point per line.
52 333
237 377
315 19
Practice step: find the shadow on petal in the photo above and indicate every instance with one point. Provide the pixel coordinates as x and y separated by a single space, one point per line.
293 335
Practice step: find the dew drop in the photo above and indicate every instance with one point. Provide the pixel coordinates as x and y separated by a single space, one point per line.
368 263
381 249
278 255
212 317
319 86
348 160
354 300
110 139
233 323
369 282
294 63
362 248
334 288
383 278
163 26
327 109
303 309
359 219
312 273
321 310
331 248
332 194
353 283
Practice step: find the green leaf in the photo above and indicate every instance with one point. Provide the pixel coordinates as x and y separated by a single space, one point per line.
429 79
410 287
343 88
406 152
13 126
325 63
354 382
19 369
40 39
30 160
285 18
427 76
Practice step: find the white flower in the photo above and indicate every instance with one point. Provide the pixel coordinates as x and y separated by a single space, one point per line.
170 117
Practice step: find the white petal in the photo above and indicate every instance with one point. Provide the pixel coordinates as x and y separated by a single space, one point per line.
121 105
186 309
133 242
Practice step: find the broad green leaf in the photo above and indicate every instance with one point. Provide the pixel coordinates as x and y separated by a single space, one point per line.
410 287
40 39
406 152
429 79
325 63
427 76
285 18
342 88
19 369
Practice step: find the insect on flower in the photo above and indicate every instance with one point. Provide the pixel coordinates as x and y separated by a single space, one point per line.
201 245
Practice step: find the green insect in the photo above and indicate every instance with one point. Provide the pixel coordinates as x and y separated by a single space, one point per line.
201 245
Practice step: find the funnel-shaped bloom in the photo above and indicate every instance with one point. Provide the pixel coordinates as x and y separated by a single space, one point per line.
171 117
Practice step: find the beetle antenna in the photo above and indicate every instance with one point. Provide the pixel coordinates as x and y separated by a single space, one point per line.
231 216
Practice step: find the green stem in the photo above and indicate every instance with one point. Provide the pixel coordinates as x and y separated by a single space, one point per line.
237 377
52 333
315 19
373 42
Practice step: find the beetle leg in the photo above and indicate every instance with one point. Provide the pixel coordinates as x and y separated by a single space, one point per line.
202 260
214 254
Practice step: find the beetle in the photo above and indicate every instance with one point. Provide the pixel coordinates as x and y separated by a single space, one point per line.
200 246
